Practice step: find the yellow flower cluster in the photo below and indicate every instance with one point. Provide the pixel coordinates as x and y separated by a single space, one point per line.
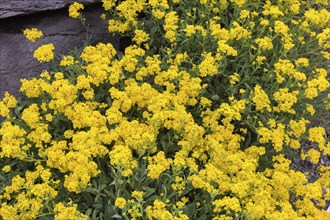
208 66
121 156
272 10
67 61
74 9
227 203
285 100
285 68
319 18
120 202
260 99
317 84
170 26
44 53
264 43
140 36
158 211
12 143
6 104
32 34
234 78
179 184
282 29
323 38
157 165
64 212
31 194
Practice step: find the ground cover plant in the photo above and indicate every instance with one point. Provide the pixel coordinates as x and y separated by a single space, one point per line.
199 118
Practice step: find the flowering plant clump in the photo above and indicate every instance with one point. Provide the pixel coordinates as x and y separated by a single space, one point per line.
199 118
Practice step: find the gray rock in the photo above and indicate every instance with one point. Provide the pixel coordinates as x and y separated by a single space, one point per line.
16 52
10 8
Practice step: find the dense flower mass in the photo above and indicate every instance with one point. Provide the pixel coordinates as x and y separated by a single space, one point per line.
205 115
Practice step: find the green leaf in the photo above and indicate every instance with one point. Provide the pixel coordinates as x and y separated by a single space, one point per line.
148 191
117 216
189 210
87 196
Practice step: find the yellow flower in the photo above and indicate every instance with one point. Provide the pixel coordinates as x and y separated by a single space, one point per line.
226 203
238 32
170 25
205 102
138 194
62 212
157 165
216 31
44 53
260 59
281 27
140 36
208 66
108 4
326 55
319 18
260 99
294 144
264 22
120 202
121 156
190 30
276 135
6 104
9 100
224 48
118 26
48 117
298 127
6 169
31 115
273 10
103 16
317 134
12 140
239 3
264 43
302 62
158 211
179 185
285 100
67 61
244 14
135 211
74 9
310 109
159 14
314 155
32 34
233 79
